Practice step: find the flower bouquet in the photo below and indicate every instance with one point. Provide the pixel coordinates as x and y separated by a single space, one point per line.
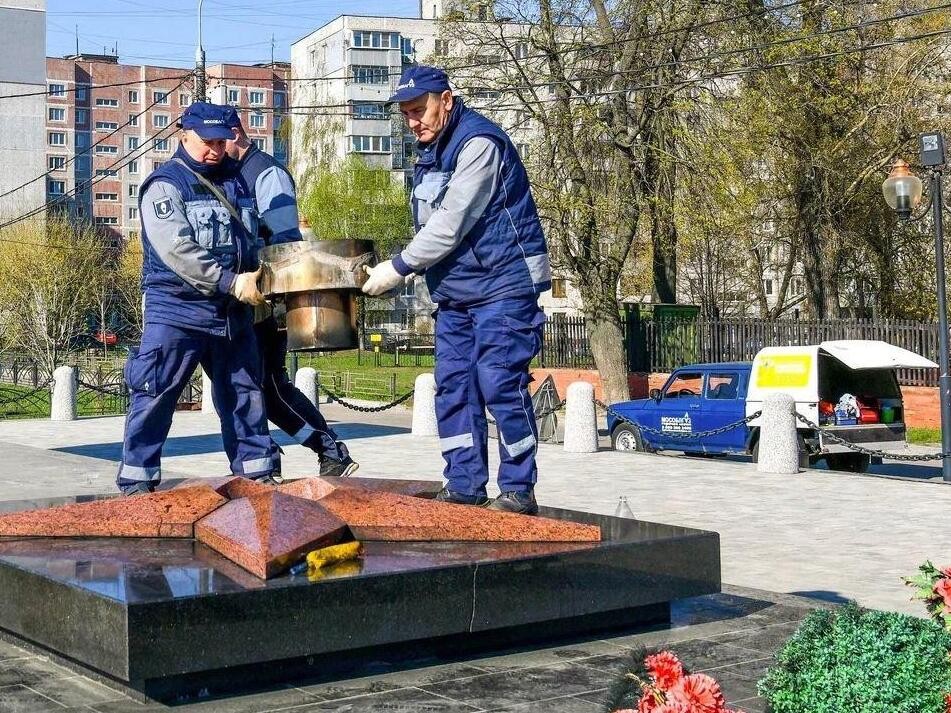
665 687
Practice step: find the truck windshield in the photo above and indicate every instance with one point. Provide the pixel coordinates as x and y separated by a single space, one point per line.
835 379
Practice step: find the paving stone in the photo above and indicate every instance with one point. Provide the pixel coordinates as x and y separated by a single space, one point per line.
30 671
76 691
20 699
405 700
270 700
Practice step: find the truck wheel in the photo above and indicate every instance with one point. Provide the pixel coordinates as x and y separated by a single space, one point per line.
627 438
804 460
849 462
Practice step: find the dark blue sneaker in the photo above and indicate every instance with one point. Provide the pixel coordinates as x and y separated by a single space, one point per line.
330 468
516 502
137 489
447 496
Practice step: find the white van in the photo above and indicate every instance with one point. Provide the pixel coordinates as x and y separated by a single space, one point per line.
818 377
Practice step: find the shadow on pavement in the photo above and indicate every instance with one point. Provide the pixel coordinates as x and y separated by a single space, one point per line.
211 442
823 595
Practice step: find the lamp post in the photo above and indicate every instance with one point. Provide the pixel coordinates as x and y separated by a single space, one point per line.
199 62
902 192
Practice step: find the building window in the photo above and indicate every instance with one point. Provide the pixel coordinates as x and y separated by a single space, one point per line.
56 113
184 99
133 166
370 74
102 172
133 119
234 96
133 235
102 101
106 220
83 165
521 50
279 99
57 90
133 190
260 143
256 120
160 98
371 144
797 286
522 150
161 145
160 121
370 111
442 47
82 117
57 138
133 96
56 188
407 46
409 290
379 40
57 163
768 287
107 196
559 289
106 149
132 142
82 140
256 97
81 94
133 213
156 165
106 126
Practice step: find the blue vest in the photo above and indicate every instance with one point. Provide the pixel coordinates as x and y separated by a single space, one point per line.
253 164
171 300
504 254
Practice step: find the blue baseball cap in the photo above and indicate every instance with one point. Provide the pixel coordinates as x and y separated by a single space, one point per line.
418 80
209 121
233 118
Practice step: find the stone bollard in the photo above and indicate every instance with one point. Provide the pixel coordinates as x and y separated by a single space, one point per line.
306 382
63 404
207 400
778 449
581 425
424 406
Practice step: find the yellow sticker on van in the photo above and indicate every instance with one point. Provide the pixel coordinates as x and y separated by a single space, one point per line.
785 370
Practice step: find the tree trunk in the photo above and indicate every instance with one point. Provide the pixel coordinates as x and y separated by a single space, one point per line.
607 347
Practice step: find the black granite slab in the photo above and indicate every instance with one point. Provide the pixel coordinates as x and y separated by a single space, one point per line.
141 612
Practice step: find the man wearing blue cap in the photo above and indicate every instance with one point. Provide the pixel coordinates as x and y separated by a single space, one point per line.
199 276
480 244
275 198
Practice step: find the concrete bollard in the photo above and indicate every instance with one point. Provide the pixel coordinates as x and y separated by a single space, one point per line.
778 450
63 403
306 382
424 406
581 425
207 400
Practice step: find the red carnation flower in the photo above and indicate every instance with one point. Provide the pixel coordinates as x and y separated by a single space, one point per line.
674 707
699 692
946 571
665 669
943 589
649 702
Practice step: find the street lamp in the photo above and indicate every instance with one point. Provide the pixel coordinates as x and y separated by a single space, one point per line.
902 192
199 62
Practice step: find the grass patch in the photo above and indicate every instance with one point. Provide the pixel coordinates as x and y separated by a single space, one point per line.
924 435
367 374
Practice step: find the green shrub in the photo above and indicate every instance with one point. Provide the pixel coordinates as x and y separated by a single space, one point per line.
861 661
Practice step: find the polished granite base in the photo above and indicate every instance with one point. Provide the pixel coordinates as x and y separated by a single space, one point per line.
155 613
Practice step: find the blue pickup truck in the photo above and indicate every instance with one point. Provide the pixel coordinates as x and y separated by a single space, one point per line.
699 397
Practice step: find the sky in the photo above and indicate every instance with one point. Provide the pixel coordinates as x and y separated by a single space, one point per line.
164 32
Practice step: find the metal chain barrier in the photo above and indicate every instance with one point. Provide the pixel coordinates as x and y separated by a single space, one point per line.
365 409
25 396
870 451
538 416
104 390
684 436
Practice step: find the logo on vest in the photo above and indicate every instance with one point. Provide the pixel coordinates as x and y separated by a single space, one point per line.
163 208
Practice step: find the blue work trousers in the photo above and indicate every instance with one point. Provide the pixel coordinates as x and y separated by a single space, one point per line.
158 371
287 407
482 358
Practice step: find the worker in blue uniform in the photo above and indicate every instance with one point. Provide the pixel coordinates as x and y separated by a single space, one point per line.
199 280
481 246
275 198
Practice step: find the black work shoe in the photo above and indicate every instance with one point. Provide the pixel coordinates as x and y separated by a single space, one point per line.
447 496
272 479
137 489
519 503
330 468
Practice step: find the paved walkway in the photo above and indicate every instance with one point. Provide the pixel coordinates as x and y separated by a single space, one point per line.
824 534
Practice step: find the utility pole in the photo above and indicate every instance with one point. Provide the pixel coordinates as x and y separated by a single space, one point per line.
199 63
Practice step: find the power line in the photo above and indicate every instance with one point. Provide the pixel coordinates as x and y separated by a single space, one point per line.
91 87
85 151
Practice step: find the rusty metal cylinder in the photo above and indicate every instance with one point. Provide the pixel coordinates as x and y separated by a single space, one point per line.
318 281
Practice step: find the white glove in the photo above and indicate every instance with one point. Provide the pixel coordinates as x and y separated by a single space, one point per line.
245 288
383 278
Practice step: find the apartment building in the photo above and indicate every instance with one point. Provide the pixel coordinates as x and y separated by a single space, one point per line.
22 83
109 125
